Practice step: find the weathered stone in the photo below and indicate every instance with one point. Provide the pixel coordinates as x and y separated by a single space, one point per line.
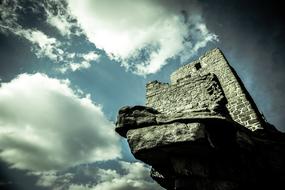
165 134
204 132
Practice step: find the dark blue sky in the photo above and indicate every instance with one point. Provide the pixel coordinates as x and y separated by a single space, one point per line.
67 67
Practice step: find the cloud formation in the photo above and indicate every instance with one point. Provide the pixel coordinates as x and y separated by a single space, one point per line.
43 45
45 125
135 178
127 176
142 35
54 14
58 16
114 175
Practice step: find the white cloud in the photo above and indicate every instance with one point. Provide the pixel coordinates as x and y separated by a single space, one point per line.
60 22
85 61
58 15
46 179
49 47
135 176
78 66
44 46
128 29
91 56
45 125
8 15
141 35
124 176
53 179
199 34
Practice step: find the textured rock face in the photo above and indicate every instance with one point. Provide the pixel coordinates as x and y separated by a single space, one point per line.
202 92
239 104
203 132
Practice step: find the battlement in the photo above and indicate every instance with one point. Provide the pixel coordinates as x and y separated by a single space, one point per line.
187 88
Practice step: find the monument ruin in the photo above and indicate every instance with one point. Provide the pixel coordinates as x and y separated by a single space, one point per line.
203 131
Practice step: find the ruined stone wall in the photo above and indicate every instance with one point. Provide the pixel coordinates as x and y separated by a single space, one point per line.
199 93
188 131
242 109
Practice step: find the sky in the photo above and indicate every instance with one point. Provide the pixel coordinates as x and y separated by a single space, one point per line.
68 66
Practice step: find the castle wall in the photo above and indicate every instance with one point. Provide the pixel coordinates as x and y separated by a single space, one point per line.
172 97
196 93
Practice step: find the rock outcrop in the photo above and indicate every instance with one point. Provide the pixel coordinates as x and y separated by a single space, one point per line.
204 132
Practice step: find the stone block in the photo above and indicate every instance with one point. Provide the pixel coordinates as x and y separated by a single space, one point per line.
204 132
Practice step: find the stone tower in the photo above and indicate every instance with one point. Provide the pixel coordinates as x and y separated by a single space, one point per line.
189 81
203 131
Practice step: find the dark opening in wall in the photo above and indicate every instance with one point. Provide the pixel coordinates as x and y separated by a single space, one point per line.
197 66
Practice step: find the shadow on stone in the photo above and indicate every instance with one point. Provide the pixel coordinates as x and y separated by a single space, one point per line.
204 132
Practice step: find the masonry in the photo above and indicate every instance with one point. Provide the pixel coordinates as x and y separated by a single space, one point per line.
203 131
239 104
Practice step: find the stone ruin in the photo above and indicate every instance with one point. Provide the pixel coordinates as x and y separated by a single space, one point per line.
204 132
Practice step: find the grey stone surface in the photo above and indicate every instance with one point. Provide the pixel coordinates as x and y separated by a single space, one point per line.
239 103
165 134
204 132
189 94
